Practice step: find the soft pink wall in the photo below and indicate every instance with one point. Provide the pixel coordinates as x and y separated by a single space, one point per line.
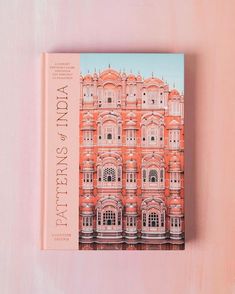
205 31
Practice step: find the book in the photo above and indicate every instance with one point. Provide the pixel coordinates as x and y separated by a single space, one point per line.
113 151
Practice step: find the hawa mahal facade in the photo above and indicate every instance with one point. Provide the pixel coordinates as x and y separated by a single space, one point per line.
131 186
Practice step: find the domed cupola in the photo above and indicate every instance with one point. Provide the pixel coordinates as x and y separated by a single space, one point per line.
174 95
88 78
131 78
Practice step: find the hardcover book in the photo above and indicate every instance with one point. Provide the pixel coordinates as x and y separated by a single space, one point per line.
113 151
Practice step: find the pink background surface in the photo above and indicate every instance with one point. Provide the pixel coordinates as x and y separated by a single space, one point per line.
204 31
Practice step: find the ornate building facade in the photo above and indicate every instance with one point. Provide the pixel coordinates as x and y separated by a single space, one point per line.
131 169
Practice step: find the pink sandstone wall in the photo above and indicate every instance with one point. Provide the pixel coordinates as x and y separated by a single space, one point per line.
113 103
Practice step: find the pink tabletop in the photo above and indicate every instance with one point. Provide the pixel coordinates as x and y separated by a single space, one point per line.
204 31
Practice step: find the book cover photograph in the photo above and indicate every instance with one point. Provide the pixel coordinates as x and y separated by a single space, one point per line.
113 172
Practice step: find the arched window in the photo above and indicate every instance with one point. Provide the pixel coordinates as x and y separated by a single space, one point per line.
153 135
109 128
109 218
153 219
109 174
175 227
130 137
131 221
175 222
152 130
110 97
88 178
151 98
156 220
109 133
153 176
87 221
87 137
131 91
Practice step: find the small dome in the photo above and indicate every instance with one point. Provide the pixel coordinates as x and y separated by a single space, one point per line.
109 74
154 80
87 78
131 78
174 94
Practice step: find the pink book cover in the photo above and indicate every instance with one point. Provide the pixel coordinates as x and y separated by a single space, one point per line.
113 151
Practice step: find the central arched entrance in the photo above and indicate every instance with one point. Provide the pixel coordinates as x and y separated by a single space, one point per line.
109 218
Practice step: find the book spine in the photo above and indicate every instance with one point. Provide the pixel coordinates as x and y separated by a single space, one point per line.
60 121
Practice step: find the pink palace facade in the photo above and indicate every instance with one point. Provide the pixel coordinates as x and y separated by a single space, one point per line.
131 193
